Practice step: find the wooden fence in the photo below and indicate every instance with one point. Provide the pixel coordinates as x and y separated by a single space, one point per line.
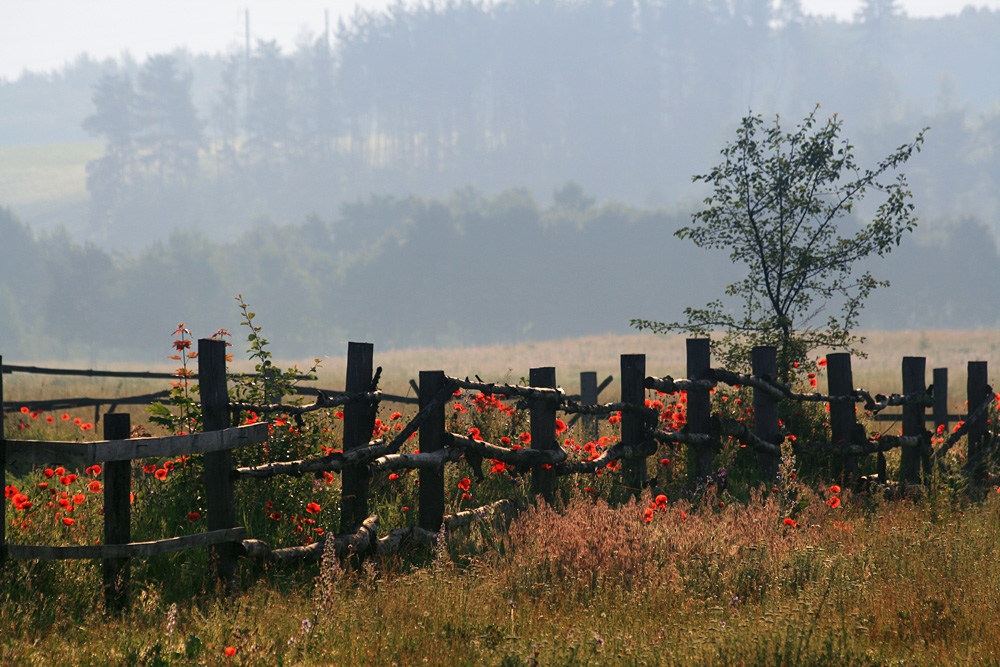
545 460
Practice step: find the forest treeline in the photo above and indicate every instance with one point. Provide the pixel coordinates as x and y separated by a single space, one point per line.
627 99
410 271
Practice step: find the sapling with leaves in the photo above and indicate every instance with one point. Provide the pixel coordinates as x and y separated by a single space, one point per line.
777 198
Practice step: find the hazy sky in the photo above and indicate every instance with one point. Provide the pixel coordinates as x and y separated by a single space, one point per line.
41 35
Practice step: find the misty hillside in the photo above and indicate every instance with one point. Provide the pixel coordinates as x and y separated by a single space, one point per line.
394 181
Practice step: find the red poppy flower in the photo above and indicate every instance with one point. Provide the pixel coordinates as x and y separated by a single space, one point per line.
94 470
834 502
65 416
160 474
393 476
95 487
24 410
505 441
43 485
67 479
313 508
60 471
396 415
193 516
78 498
466 496
230 651
834 489
77 421
790 522
525 438
560 426
69 521
86 427
821 362
664 462
647 516
50 419
49 472
465 483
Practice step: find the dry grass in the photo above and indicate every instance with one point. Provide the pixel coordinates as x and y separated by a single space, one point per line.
873 582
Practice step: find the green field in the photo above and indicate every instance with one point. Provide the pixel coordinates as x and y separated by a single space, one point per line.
47 184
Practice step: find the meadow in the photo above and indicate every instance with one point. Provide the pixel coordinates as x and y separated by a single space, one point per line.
721 576
47 183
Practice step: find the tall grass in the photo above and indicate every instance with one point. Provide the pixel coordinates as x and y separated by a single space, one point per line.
872 582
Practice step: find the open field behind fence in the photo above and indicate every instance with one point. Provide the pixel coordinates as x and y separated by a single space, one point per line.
879 372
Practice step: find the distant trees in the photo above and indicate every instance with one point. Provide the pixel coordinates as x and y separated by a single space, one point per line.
152 137
620 97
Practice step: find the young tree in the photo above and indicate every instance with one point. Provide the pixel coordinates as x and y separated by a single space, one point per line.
776 202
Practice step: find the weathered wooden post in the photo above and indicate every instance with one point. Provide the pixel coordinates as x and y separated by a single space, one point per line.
634 471
431 494
764 364
843 414
359 420
701 459
914 373
543 431
588 396
117 515
218 465
977 390
3 476
940 415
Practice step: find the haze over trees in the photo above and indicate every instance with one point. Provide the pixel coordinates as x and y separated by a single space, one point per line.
447 130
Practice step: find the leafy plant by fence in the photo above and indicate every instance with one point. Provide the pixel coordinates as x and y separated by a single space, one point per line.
369 454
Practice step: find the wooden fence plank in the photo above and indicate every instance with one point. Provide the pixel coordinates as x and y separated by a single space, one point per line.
543 431
914 379
633 368
977 388
701 458
117 516
588 396
3 479
131 550
359 420
431 492
764 363
89 453
218 464
843 416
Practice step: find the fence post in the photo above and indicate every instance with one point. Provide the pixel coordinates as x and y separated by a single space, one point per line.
939 413
940 410
588 396
633 392
543 431
701 459
977 389
359 420
218 465
843 415
914 380
431 494
764 364
3 474
117 515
